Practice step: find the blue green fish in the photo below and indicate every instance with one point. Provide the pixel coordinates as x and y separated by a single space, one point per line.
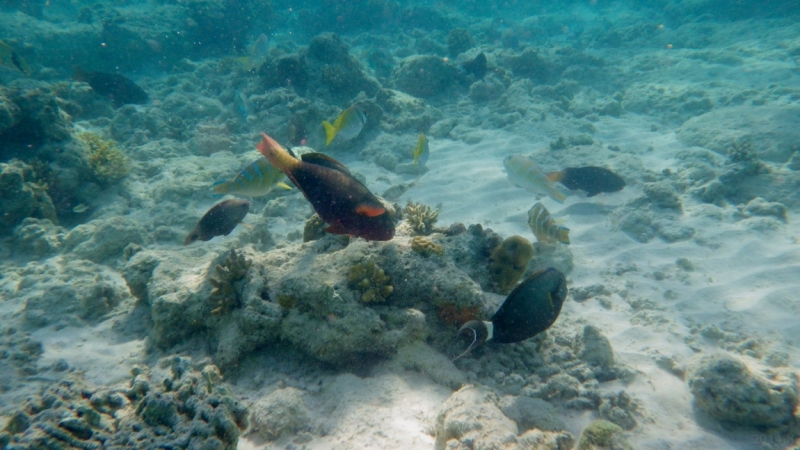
255 180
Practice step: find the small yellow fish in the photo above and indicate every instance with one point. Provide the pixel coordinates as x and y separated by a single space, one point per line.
9 58
255 180
544 227
347 125
421 153
525 173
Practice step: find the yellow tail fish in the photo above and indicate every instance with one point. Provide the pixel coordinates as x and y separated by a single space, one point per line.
255 180
347 125
421 152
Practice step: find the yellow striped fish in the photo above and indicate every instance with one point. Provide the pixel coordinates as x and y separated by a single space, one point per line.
347 125
525 173
544 227
255 180
421 152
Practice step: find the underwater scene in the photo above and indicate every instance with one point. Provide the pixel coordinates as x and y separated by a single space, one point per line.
400 224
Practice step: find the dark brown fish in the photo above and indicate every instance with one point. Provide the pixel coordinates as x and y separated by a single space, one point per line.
532 307
119 89
220 220
477 66
345 204
593 180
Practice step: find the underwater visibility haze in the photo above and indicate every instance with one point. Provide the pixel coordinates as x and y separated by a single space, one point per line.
400 224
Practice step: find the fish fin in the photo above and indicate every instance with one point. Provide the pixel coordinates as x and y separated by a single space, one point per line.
325 161
247 225
557 195
283 185
330 131
370 210
336 229
556 176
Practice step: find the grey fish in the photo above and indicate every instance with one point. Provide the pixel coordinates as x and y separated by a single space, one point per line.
220 220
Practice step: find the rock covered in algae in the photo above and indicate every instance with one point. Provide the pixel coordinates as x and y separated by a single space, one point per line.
733 391
281 412
602 435
22 196
106 160
472 418
426 247
509 261
186 408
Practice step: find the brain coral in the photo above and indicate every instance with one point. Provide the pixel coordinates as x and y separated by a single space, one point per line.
509 261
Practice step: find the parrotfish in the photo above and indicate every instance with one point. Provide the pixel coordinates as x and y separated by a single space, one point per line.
347 125
220 220
9 58
119 89
257 54
593 180
421 152
544 227
345 204
255 180
532 307
525 173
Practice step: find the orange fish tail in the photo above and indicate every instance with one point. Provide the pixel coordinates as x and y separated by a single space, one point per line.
277 155
556 176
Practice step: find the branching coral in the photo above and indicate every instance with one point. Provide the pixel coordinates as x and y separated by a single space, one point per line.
426 247
371 280
421 217
225 296
107 161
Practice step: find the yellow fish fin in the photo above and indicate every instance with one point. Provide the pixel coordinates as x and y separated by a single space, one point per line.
283 185
330 131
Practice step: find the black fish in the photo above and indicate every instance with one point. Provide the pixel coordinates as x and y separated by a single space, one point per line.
119 89
593 180
343 202
220 220
477 66
529 309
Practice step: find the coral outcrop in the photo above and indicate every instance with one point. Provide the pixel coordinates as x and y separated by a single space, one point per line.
226 294
186 408
106 160
22 196
423 76
733 391
426 247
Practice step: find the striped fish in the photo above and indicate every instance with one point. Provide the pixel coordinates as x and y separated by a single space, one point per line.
544 227
525 173
255 180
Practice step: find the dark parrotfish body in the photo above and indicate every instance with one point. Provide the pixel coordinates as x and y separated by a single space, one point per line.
345 204
593 180
532 307
220 220
119 89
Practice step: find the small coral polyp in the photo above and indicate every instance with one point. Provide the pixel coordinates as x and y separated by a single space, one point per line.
371 281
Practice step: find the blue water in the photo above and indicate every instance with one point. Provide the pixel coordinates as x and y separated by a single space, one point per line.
694 103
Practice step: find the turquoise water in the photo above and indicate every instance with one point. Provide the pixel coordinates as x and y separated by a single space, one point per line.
326 310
